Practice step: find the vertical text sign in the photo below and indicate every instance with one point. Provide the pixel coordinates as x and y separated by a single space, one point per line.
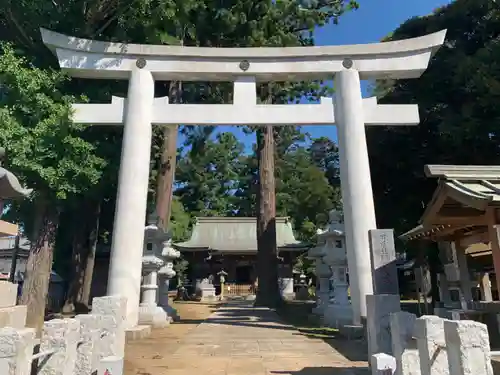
383 261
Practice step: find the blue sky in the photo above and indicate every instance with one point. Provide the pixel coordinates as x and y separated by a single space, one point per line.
370 23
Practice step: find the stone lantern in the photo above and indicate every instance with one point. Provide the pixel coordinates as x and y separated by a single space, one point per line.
338 311
10 188
323 273
166 272
153 264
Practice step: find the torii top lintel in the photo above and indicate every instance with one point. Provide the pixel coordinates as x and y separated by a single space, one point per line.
105 60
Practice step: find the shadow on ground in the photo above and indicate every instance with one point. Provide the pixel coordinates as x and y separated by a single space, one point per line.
298 315
329 370
293 317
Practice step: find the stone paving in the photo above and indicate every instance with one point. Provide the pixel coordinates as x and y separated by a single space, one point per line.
238 339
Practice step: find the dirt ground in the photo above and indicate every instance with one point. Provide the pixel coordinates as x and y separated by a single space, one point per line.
151 356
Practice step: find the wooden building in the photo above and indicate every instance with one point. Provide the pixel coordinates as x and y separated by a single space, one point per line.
463 217
230 244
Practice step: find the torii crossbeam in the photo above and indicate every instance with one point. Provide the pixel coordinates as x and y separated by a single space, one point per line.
142 64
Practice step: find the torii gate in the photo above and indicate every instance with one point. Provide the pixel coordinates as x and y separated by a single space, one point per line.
142 64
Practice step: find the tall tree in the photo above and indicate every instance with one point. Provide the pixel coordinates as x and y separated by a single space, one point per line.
458 111
45 150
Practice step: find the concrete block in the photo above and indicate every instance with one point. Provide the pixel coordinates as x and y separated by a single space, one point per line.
14 316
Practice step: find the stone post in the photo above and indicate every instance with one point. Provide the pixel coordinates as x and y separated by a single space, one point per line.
383 261
113 309
404 346
383 364
87 359
381 306
357 195
131 204
468 347
16 351
431 344
60 336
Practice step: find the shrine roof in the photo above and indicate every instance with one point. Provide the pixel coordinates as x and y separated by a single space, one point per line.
237 235
460 201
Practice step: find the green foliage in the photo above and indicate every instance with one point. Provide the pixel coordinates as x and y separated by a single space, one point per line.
208 173
44 147
459 110
180 221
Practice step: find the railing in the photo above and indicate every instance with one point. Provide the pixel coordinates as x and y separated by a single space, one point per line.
88 344
233 289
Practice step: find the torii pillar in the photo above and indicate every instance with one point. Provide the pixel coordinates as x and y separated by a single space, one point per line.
244 66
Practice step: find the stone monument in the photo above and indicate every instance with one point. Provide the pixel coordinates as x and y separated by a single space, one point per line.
141 65
205 290
383 261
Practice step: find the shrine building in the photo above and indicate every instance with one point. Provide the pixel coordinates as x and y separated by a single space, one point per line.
230 244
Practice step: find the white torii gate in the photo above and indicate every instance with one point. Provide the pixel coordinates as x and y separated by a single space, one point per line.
142 64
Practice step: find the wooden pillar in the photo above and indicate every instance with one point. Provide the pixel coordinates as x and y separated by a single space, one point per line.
494 236
485 286
463 270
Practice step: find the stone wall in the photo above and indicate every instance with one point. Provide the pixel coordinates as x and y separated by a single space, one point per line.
431 345
86 345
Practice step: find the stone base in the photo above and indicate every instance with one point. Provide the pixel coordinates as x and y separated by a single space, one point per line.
153 315
337 315
318 310
171 312
207 295
209 299
137 333
288 297
352 331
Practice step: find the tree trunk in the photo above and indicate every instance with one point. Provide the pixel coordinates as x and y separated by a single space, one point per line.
166 175
39 264
82 261
77 263
84 296
268 293
166 170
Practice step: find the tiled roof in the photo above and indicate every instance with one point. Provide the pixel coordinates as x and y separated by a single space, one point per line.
236 234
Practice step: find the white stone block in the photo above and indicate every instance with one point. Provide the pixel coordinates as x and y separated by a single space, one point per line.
113 313
87 359
8 294
16 350
14 316
404 345
383 364
60 337
110 366
380 307
468 347
429 330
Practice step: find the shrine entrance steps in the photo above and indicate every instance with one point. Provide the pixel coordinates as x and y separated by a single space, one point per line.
238 339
